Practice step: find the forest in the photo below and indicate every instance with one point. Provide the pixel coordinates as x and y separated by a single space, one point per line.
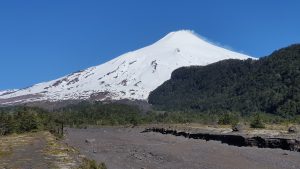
20 119
268 85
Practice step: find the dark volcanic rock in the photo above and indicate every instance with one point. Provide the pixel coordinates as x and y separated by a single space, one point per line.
19 99
292 129
236 140
238 128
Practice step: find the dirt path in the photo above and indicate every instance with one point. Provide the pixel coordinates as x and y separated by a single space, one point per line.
21 154
126 148
36 151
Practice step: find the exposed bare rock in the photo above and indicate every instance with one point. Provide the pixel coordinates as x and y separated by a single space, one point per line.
293 129
238 128
240 140
73 81
19 99
59 82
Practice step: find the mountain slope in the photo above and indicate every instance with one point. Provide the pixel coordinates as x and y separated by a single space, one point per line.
5 92
271 84
130 76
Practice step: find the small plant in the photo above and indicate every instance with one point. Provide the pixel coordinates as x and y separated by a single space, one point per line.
257 122
229 119
91 164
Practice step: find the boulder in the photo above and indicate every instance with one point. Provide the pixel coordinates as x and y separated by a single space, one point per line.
238 128
293 129
90 141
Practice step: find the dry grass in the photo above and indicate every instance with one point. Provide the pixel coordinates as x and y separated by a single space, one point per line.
63 155
9 143
58 154
5 151
91 164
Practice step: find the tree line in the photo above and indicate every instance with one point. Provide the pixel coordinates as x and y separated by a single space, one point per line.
22 119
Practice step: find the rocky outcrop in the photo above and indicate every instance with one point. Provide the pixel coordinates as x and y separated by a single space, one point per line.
239 140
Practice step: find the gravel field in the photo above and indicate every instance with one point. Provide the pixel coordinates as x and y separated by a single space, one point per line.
128 148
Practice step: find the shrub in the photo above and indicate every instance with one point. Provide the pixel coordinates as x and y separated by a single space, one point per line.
229 119
91 164
257 122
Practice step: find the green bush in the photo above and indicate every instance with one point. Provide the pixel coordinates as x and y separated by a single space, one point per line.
91 164
229 119
257 121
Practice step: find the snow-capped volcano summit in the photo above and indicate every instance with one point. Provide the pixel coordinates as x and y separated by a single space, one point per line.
130 76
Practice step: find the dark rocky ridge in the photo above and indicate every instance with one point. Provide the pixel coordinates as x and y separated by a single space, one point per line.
239 140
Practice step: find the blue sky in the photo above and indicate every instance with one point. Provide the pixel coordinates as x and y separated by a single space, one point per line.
42 40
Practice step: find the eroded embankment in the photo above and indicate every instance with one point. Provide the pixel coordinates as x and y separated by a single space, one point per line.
236 139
